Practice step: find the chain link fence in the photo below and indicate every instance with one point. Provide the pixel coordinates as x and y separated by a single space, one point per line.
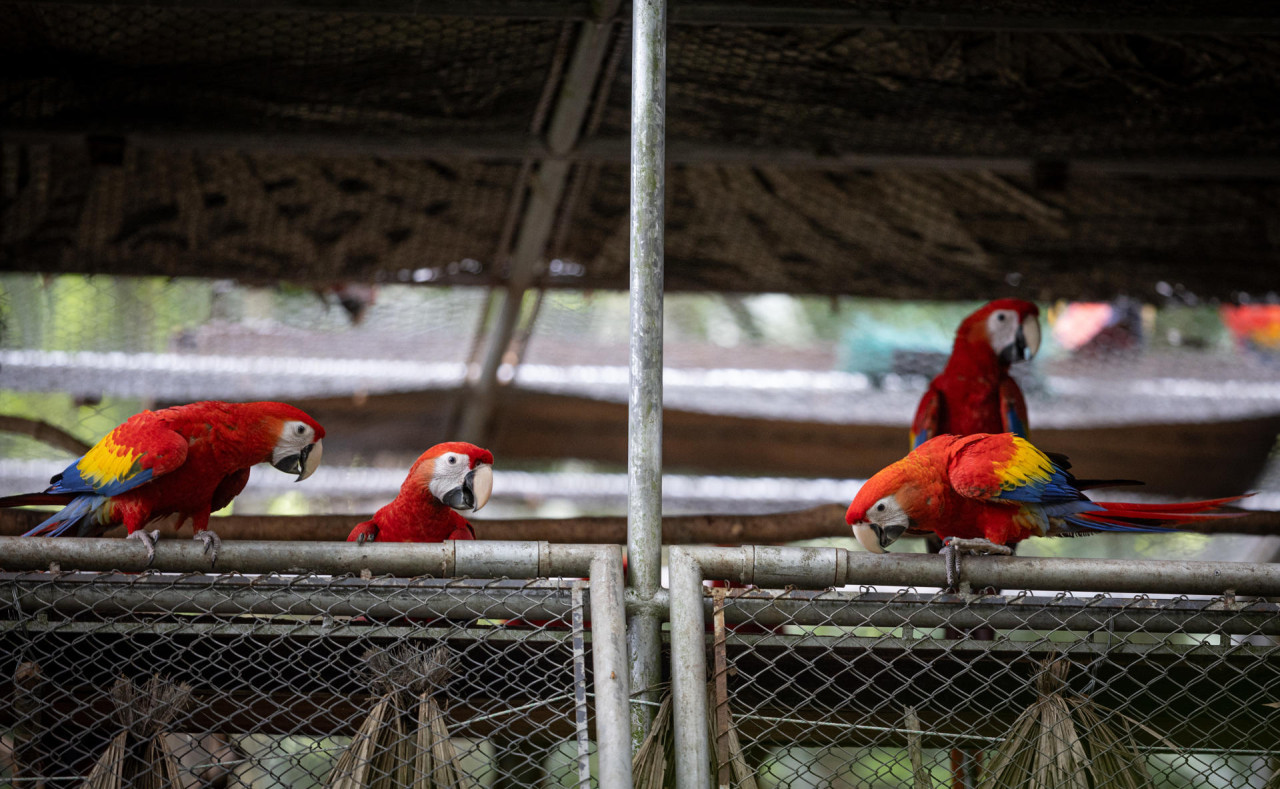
263 679
300 679
870 688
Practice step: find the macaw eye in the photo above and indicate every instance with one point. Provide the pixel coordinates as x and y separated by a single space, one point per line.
880 507
1000 316
300 429
453 459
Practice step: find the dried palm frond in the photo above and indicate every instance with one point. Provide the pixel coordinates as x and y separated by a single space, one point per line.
653 765
1065 742
141 755
404 741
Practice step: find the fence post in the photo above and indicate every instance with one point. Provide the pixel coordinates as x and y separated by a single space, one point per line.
688 671
644 418
609 666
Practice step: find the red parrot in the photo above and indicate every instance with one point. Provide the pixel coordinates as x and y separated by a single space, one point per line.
188 460
448 477
974 393
987 492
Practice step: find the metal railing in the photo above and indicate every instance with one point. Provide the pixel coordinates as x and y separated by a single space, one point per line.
312 664
856 686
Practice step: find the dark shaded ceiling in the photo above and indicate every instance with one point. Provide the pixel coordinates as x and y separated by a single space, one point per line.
911 150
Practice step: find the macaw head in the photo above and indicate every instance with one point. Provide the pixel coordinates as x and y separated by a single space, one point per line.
456 473
882 510
297 437
1009 327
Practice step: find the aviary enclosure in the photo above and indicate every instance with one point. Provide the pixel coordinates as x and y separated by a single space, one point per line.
528 224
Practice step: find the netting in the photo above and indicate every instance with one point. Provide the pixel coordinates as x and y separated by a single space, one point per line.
293 680
876 689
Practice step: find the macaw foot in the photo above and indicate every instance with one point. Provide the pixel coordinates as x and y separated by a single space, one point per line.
952 547
148 540
212 543
368 535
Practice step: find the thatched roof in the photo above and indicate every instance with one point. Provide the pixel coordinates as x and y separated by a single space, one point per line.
927 149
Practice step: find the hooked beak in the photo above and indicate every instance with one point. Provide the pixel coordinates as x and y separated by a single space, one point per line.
876 539
304 463
474 491
1025 343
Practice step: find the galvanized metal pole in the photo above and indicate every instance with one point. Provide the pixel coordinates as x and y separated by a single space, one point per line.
644 421
688 671
609 668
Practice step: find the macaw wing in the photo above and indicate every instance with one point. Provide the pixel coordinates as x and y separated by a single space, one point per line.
136 452
1013 408
927 422
229 488
1009 470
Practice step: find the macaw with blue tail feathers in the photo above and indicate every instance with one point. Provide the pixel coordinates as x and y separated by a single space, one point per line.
188 460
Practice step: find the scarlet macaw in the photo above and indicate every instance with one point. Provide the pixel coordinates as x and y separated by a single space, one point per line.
448 477
987 492
974 393
188 460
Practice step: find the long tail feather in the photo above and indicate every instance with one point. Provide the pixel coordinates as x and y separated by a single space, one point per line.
1175 507
77 516
1091 484
1125 516
23 499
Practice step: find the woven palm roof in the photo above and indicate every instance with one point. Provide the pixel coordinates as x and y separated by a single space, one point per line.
930 149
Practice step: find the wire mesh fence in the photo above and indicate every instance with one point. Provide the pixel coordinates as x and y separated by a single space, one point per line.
294 680
865 687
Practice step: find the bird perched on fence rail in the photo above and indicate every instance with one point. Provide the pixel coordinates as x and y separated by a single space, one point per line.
985 492
445 479
188 460
975 393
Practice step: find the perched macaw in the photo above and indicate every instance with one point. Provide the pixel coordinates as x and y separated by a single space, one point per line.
985 492
188 460
974 393
448 477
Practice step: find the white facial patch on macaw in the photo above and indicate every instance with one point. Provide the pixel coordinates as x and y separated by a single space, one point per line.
1012 338
885 522
1002 329
457 484
297 451
449 472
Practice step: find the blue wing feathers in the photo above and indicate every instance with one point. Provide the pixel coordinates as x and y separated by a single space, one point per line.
78 515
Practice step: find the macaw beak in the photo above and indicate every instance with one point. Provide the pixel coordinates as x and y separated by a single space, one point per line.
1025 343
303 463
474 491
875 538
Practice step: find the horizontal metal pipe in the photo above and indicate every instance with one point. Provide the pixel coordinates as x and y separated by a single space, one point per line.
1098 575
1119 615
818 568
124 596
389 598
470 558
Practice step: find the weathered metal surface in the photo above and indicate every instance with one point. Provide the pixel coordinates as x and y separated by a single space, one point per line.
611 670
644 397
688 671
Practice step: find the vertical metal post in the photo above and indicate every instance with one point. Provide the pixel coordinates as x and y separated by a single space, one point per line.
644 420
688 671
609 667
